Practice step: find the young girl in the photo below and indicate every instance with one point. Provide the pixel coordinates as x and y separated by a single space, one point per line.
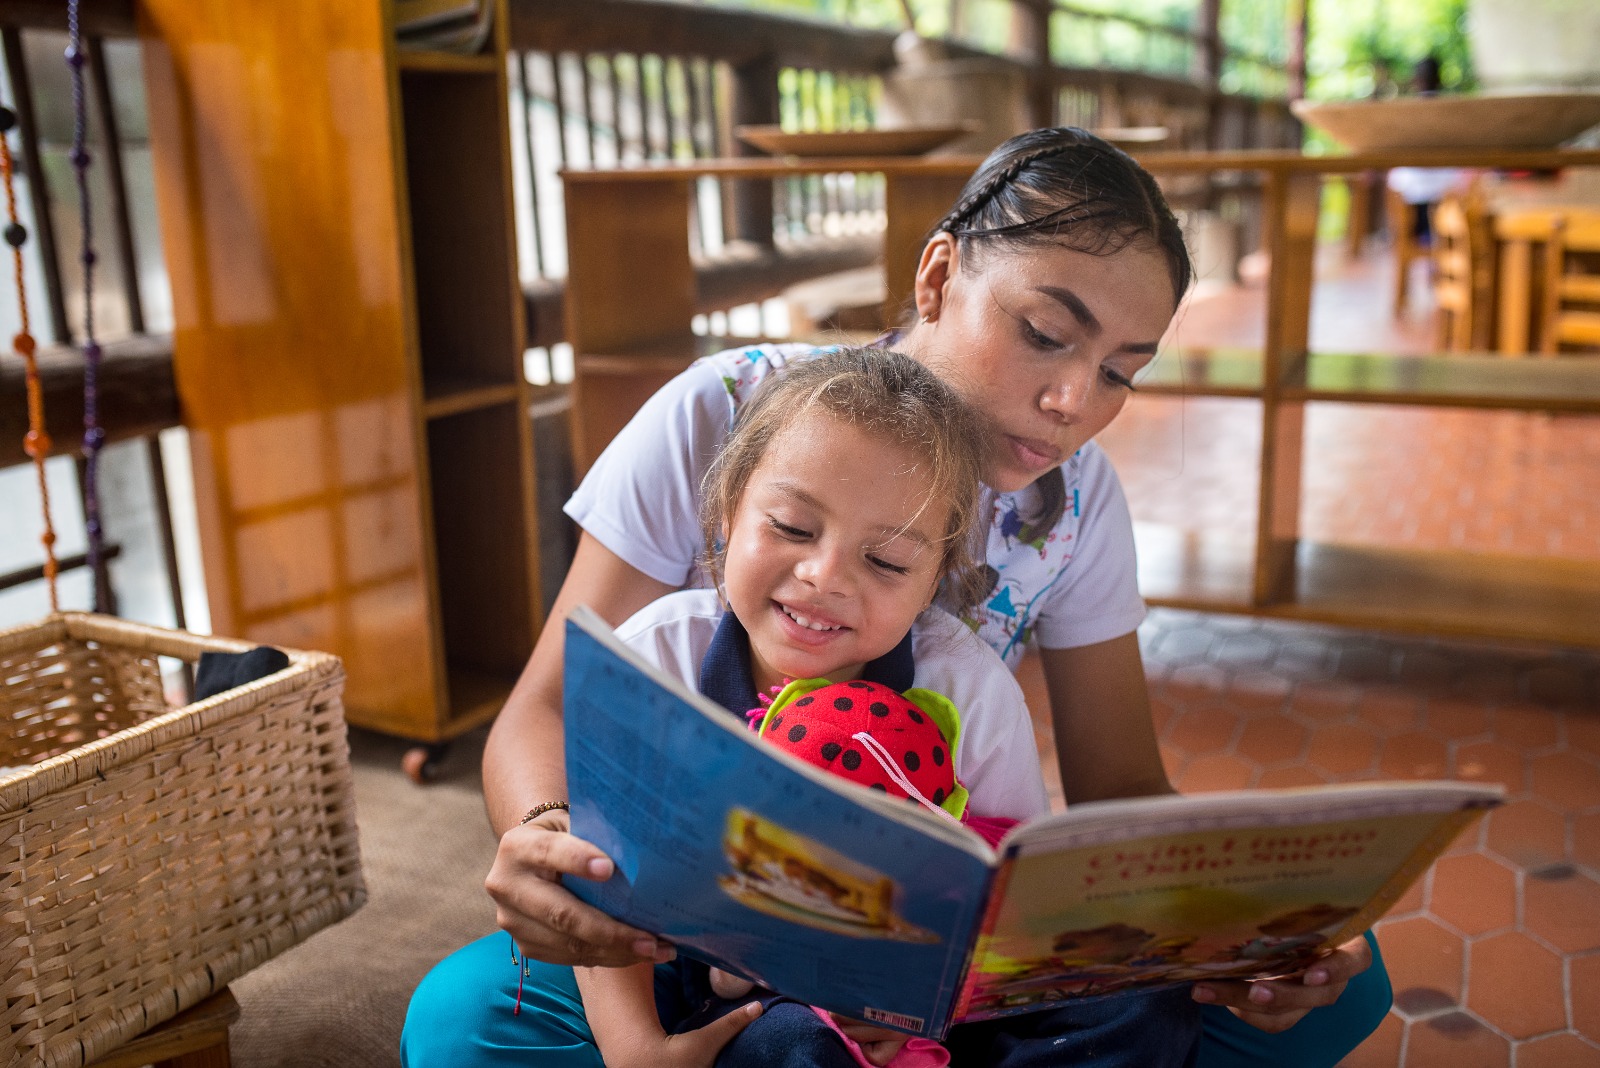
1039 297
842 502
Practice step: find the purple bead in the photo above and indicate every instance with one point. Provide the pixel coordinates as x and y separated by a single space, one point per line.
16 234
89 257
91 349
80 158
93 438
74 56
8 119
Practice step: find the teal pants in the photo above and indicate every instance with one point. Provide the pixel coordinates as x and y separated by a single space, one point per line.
463 1014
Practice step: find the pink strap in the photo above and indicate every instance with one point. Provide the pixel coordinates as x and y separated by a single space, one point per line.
916 1053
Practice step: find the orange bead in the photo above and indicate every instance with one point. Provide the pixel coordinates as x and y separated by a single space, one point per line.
48 537
24 344
36 443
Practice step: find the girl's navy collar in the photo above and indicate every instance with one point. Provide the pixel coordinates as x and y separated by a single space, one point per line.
726 678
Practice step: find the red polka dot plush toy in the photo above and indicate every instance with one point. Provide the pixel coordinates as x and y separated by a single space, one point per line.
902 744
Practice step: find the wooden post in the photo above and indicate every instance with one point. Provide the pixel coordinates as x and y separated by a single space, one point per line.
1292 205
754 103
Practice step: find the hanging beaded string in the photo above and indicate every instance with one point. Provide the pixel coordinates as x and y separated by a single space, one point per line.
37 442
93 436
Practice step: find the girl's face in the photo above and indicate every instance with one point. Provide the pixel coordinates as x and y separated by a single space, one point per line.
1044 343
832 551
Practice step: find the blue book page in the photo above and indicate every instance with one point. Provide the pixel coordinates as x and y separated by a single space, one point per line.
749 860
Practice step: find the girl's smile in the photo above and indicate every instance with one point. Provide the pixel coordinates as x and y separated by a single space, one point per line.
832 552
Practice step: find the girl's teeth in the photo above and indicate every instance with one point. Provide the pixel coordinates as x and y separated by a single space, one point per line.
804 622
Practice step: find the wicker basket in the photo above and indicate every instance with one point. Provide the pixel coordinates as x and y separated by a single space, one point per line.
153 854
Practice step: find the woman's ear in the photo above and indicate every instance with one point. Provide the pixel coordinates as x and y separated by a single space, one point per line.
934 272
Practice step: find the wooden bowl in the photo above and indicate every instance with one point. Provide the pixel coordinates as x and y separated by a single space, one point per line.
906 141
1489 120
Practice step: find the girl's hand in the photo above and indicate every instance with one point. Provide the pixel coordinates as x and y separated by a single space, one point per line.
878 1044
1275 1005
691 1049
548 923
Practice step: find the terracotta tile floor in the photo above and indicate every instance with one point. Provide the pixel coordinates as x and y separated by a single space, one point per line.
1495 955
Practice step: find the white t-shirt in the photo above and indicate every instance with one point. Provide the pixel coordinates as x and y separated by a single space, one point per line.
997 759
1075 586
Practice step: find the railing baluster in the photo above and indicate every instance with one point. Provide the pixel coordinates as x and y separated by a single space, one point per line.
559 96
525 87
122 221
38 189
588 106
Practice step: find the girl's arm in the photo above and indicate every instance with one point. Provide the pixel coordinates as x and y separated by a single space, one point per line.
620 1006
1106 746
523 766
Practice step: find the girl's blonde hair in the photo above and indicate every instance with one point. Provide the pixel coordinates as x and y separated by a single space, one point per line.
886 394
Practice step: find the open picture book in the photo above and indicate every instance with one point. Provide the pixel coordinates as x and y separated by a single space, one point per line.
756 862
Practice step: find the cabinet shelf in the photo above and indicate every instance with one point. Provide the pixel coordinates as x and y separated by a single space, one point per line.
424 59
1203 373
1448 592
446 395
1198 569
1567 384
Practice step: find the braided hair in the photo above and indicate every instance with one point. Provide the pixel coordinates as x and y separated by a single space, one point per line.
1064 186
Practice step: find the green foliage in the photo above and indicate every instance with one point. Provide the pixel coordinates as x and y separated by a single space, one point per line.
1369 47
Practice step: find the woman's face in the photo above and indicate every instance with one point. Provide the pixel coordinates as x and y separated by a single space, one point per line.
1043 342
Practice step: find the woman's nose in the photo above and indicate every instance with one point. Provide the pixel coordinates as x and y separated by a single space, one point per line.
1068 394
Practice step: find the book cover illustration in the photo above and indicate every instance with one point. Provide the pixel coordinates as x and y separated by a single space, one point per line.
751 860
1252 895
796 878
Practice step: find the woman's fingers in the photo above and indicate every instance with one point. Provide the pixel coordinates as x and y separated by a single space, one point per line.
1277 1004
548 923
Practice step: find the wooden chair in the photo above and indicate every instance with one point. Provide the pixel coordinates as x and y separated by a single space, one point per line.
1401 219
1463 280
1572 283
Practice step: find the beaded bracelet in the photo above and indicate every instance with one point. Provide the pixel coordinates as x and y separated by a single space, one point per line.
539 810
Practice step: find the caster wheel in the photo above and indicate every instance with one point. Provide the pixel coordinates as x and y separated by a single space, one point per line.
421 764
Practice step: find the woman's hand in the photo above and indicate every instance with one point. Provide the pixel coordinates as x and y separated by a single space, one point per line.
878 1044
1275 1005
523 766
548 923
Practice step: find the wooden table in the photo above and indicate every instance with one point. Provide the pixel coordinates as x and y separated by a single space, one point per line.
630 300
1517 230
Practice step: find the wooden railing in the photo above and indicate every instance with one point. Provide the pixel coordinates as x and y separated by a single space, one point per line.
593 82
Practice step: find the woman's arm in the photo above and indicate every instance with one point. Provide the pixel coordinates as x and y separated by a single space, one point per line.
1100 707
1106 746
523 766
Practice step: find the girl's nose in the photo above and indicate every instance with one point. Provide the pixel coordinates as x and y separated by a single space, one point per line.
824 568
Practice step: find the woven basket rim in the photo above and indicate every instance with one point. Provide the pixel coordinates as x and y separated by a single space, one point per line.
90 759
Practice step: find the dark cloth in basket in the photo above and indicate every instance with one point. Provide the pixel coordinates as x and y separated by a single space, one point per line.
223 671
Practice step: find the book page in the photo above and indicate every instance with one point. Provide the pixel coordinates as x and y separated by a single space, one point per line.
1123 895
748 859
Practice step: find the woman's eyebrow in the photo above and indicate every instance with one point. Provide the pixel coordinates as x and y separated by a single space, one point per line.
1070 301
1086 318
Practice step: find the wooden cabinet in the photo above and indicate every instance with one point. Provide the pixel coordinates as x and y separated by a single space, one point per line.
1278 572
337 220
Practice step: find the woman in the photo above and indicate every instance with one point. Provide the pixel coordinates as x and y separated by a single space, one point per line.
1039 297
